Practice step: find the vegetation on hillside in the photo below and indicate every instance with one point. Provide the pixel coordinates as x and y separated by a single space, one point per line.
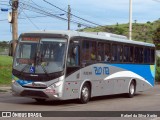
141 31
156 37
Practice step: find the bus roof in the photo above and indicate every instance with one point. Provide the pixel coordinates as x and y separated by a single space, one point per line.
94 35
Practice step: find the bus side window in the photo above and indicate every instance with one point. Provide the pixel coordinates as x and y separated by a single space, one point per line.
73 56
152 56
141 55
114 53
146 55
126 54
107 54
89 50
119 53
100 56
131 54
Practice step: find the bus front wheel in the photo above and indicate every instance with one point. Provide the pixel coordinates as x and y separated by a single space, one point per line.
132 89
85 93
40 100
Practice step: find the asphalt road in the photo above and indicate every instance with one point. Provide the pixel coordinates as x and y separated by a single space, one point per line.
143 101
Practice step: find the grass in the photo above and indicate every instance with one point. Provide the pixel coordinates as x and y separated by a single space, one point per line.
5 70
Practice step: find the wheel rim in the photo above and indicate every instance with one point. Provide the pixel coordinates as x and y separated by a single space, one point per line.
85 93
132 89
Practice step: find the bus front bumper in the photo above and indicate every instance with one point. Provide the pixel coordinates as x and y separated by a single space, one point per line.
47 93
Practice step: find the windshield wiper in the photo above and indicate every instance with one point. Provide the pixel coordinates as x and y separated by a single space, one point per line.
45 70
23 69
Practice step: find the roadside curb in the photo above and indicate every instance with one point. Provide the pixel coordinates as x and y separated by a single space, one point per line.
4 89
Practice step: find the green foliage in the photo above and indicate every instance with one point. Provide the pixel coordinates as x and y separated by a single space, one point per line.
156 37
3 45
119 30
5 69
141 32
148 22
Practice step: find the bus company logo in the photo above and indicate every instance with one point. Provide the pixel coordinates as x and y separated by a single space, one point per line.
6 114
101 70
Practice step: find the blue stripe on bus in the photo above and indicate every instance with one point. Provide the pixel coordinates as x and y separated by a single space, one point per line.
142 70
23 82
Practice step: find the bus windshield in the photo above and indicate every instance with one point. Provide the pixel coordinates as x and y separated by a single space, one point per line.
43 56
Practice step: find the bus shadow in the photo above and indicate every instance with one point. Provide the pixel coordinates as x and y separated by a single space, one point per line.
27 101
108 97
75 101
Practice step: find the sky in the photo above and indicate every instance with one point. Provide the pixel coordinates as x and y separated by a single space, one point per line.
39 15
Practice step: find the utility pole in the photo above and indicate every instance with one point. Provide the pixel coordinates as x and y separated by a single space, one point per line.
69 16
14 23
130 19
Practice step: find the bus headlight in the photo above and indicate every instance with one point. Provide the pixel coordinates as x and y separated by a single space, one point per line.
57 84
13 81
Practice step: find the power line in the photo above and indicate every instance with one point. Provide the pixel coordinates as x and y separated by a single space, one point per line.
30 20
72 14
40 11
44 12
22 8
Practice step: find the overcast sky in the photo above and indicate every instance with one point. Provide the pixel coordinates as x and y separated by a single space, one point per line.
100 12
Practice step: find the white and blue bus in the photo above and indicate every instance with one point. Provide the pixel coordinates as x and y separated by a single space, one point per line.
62 65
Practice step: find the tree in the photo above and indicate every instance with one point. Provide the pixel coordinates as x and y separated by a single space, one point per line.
148 22
119 30
135 21
156 37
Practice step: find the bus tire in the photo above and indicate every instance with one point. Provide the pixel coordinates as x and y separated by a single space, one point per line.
85 93
132 89
40 100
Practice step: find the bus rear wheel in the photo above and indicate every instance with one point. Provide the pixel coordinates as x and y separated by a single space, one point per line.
132 89
85 93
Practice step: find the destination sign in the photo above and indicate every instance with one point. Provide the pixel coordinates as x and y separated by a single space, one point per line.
24 61
35 39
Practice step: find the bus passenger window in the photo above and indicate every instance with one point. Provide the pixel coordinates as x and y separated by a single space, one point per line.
89 50
141 55
126 54
146 55
100 56
131 54
136 51
119 53
152 56
138 55
73 56
107 54
114 53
